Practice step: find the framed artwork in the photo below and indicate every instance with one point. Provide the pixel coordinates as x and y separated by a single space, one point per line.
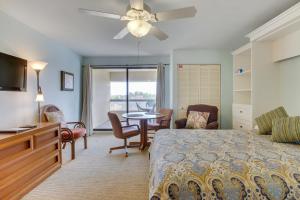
67 81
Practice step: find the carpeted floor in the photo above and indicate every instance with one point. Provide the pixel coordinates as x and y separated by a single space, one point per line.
96 174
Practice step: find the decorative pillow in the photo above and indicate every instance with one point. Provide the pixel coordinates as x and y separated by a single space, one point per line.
286 130
264 122
197 120
57 116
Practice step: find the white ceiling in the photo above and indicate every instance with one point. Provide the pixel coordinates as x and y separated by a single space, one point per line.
219 24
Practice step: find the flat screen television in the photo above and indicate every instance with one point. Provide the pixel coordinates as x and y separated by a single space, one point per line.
13 73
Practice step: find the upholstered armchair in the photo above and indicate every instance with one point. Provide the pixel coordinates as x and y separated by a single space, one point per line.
76 131
212 122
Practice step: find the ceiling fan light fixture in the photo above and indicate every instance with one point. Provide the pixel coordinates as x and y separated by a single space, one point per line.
139 28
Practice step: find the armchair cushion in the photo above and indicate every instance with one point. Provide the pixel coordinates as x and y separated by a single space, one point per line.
78 132
156 126
68 134
130 131
153 126
197 120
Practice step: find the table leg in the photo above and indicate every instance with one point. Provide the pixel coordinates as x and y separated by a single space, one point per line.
144 134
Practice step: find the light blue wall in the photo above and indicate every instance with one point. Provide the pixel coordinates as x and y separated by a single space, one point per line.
20 107
133 60
289 85
200 56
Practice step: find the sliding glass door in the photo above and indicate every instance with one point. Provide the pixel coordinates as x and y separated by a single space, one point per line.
142 90
121 90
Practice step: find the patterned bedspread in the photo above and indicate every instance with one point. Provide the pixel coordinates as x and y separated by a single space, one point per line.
222 164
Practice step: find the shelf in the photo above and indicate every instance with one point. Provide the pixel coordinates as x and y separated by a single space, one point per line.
242 90
247 72
241 104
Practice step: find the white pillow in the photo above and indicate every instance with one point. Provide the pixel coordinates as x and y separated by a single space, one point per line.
56 117
197 120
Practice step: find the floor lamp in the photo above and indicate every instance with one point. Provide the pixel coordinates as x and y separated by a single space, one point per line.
38 66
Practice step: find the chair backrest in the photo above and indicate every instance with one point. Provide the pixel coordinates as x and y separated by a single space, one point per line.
48 108
168 116
116 124
213 111
139 107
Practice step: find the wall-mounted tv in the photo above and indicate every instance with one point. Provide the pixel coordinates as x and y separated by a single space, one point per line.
13 73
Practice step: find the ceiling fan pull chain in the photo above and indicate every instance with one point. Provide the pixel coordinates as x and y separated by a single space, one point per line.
138 48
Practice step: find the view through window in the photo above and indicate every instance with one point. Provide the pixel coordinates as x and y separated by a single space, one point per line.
110 93
141 94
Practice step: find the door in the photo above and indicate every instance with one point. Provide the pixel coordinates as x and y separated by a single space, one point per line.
198 84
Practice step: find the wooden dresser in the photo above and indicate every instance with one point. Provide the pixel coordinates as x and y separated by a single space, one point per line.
28 158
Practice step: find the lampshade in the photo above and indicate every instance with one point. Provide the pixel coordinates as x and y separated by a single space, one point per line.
39 97
38 65
139 28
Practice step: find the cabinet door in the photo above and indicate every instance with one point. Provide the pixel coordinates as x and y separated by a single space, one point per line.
198 84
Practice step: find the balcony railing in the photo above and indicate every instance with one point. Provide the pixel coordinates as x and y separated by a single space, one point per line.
119 105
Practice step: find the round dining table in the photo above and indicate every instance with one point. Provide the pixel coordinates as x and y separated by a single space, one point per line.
143 118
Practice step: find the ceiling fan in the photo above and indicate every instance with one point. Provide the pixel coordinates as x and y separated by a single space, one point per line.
140 19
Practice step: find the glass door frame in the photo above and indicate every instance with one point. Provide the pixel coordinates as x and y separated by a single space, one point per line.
127 67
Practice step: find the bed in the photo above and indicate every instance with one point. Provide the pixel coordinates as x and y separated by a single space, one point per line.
222 164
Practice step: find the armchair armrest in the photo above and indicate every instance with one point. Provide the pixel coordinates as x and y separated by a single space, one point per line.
212 125
66 134
124 121
77 124
132 126
180 123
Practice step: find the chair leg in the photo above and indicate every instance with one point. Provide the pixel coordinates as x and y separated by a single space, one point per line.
73 149
133 146
116 148
85 141
64 145
125 145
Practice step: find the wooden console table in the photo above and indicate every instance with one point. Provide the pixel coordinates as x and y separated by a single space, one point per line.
27 158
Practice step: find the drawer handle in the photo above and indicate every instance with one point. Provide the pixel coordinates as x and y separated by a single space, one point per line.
241 126
241 111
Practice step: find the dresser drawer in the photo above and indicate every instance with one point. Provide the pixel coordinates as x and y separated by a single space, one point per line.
242 112
241 124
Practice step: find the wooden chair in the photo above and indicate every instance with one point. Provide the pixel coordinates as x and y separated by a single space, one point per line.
212 122
67 134
123 132
162 123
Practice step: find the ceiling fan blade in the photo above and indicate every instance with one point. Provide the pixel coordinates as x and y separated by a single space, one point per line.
99 13
158 33
176 14
137 4
122 34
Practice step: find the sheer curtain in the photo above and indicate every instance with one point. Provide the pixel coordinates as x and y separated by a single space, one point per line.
87 90
160 87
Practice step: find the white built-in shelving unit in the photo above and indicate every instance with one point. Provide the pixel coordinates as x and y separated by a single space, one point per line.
257 89
242 88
